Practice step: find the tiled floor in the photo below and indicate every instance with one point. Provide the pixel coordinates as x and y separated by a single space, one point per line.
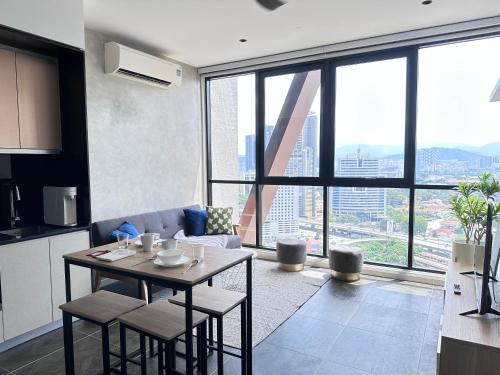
375 326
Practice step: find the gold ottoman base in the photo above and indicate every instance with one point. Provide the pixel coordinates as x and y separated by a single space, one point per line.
344 276
292 267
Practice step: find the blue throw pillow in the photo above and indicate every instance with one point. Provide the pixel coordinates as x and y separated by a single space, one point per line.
196 220
126 227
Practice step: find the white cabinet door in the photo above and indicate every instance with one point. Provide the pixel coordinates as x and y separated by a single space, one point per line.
25 282
81 284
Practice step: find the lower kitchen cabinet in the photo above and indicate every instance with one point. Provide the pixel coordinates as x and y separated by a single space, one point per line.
80 277
32 281
26 288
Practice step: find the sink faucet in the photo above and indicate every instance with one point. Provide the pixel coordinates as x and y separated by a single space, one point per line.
14 198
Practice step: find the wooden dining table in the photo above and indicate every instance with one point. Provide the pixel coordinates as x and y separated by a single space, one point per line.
141 267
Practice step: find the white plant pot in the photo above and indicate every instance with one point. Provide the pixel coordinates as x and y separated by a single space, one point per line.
463 253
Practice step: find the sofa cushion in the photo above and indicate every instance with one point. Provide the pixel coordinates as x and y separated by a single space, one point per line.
166 222
125 228
219 220
196 220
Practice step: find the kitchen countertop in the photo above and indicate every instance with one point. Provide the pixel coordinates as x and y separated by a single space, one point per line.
41 231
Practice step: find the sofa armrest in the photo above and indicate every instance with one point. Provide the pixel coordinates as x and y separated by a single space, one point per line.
236 229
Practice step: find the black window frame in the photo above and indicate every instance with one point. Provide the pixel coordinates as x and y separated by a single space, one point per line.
326 178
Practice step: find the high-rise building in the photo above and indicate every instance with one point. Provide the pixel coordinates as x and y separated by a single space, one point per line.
250 152
364 203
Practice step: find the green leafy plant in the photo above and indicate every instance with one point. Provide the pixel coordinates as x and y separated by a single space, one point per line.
470 207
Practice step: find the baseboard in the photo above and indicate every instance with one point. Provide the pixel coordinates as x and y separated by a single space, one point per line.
18 340
372 270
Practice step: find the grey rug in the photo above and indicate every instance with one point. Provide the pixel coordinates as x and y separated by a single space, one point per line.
276 296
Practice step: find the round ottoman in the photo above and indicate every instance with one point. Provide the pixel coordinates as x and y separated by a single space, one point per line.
345 262
291 254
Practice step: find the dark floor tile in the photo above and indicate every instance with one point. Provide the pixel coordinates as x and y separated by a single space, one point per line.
402 357
34 349
437 300
359 349
88 360
133 341
271 359
85 327
428 360
306 335
341 290
407 324
330 310
432 329
3 371
373 318
401 296
332 368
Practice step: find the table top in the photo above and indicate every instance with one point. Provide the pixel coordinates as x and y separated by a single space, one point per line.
215 261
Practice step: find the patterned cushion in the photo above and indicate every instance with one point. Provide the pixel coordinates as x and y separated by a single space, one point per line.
219 220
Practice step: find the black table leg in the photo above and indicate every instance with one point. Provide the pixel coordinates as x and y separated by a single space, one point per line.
150 300
105 349
210 325
142 339
69 359
249 316
67 280
189 331
220 347
123 349
243 338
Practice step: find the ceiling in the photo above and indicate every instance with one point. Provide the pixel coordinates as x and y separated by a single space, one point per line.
206 32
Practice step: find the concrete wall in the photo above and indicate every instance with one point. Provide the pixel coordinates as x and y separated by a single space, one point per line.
145 143
59 20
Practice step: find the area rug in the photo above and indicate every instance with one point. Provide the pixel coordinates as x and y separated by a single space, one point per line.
277 295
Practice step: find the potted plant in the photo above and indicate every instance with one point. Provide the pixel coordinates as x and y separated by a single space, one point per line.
469 206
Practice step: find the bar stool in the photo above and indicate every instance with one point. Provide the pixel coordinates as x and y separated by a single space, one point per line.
164 322
217 302
101 308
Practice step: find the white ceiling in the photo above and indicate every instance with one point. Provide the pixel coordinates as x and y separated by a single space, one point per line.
206 32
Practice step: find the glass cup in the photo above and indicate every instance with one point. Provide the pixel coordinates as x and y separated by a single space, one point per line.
198 252
122 239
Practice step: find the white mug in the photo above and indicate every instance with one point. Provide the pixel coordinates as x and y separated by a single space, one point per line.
148 240
198 251
169 243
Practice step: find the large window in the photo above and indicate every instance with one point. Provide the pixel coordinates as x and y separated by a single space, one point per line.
373 219
358 150
370 118
232 127
291 124
458 130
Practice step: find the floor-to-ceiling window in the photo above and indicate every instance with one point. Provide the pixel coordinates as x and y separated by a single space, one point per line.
361 150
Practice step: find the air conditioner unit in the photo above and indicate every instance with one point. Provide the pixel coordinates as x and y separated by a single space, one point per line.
131 64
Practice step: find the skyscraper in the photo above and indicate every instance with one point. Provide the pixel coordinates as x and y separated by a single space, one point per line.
362 202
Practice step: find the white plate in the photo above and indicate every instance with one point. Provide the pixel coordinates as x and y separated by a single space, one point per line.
181 261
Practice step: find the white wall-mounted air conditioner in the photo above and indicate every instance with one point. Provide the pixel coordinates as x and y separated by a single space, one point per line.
135 65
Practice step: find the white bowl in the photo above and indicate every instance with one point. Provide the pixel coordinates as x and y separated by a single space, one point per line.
170 256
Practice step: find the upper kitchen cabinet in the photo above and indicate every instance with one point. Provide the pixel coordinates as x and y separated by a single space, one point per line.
9 126
38 102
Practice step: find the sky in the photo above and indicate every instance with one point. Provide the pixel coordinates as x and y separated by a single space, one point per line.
454 85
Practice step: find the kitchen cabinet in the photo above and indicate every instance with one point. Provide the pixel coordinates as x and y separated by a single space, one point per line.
9 126
26 289
32 281
38 102
80 277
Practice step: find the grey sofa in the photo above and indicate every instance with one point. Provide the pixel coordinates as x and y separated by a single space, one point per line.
167 223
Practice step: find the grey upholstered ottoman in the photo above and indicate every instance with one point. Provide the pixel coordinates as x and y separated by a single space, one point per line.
291 254
346 262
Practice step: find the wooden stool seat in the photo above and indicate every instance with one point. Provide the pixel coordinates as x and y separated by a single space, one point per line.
217 302
161 319
102 306
211 300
